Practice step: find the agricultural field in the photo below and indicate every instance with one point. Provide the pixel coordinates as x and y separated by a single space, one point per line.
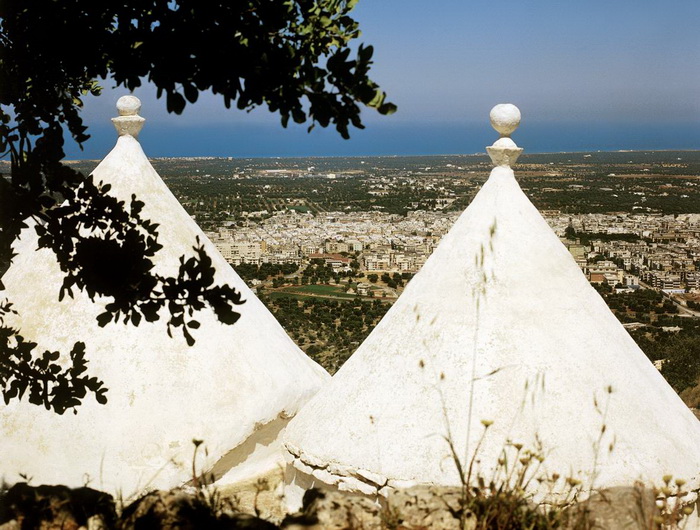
324 291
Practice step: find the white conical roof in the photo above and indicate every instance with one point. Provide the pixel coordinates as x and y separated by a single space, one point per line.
235 389
500 325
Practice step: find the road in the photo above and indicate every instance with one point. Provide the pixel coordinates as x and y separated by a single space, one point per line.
681 308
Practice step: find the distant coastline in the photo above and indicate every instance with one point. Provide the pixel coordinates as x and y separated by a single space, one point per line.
437 156
389 138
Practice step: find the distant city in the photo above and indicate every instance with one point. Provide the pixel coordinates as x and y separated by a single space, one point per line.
341 235
639 210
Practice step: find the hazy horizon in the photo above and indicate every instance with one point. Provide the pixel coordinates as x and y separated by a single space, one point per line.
599 76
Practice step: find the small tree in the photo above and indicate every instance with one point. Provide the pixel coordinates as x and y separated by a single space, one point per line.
570 233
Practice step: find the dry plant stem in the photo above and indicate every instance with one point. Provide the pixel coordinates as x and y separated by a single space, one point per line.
476 452
195 480
598 443
473 378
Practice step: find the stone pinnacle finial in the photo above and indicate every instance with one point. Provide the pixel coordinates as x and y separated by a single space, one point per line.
128 122
505 118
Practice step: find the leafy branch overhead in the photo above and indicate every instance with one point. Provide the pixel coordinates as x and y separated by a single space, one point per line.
292 56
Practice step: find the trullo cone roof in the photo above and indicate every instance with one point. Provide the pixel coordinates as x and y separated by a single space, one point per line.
500 325
235 389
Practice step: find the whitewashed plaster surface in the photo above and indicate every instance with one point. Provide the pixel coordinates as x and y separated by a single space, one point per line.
500 325
235 389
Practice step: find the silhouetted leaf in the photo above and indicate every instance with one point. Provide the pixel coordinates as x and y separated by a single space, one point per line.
101 396
188 337
104 318
175 102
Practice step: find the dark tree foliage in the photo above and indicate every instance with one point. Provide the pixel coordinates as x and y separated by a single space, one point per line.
292 56
250 271
681 367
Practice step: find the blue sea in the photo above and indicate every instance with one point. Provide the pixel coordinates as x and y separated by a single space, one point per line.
389 138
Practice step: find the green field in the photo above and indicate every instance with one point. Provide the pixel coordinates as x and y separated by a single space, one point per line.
302 209
276 294
321 289
313 290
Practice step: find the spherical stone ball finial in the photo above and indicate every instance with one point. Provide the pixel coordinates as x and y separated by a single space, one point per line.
505 118
128 123
128 106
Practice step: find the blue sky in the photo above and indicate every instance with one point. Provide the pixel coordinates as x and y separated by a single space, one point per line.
586 75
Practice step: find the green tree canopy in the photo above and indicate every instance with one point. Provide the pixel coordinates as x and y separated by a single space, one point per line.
292 56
